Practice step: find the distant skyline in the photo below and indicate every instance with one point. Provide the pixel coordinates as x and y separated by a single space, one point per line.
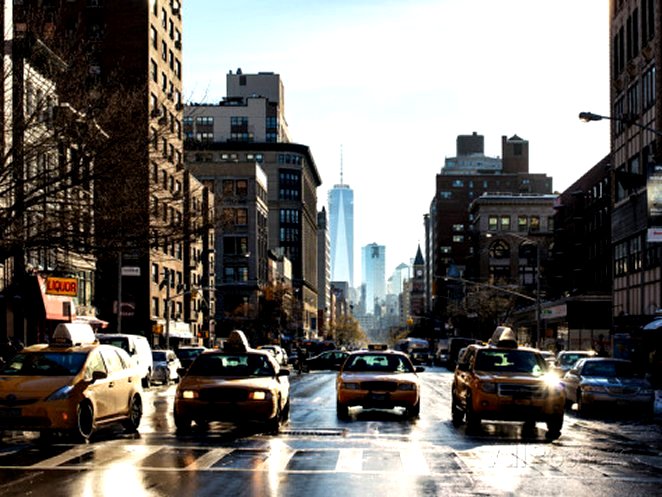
393 83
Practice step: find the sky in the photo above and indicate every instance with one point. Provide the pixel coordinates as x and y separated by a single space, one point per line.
388 85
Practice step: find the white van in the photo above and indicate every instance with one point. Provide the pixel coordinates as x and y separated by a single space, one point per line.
138 348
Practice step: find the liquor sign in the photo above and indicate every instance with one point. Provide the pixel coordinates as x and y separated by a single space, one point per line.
62 286
654 198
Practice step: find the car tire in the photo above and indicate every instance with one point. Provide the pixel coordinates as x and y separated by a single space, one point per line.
473 419
135 414
342 411
182 423
84 422
286 411
415 410
554 425
146 382
529 427
273 425
582 407
457 414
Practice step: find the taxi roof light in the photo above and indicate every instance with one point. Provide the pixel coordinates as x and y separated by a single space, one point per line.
70 334
236 342
503 336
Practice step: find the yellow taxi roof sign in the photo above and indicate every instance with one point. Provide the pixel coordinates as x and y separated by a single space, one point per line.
377 346
70 334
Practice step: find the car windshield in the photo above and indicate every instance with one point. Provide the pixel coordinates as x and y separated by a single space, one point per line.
120 342
379 362
570 359
513 361
608 369
44 364
158 356
239 365
188 353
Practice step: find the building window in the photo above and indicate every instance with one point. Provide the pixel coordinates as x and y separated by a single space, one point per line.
505 223
522 223
534 223
492 223
458 238
458 227
155 273
445 250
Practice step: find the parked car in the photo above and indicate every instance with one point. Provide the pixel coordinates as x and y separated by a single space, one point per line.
507 383
278 352
236 384
378 380
166 366
330 359
138 349
566 359
73 385
608 382
187 354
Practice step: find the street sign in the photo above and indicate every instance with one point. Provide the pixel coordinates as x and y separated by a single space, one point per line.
130 271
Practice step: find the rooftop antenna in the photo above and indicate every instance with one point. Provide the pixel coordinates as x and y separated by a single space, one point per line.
341 166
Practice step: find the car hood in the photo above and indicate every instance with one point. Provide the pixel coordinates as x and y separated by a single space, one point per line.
371 376
612 382
195 382
23 387
508 376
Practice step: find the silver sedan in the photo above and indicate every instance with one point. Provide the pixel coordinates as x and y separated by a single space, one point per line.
609 382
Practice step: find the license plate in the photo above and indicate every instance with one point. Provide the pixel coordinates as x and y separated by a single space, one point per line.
522 402
10 412
377 396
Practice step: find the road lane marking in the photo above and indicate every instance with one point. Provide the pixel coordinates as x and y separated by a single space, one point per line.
350 461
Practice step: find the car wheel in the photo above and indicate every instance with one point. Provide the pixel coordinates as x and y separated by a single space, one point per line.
457 414
342 411
529 426
146 381
554 425
84 421
182 423
273 425
286 411
135 415
473 419
582 407
415 410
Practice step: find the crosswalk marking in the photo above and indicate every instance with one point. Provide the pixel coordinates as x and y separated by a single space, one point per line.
350 461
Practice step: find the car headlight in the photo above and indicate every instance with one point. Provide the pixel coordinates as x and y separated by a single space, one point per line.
552 381
349 386
407 386
259 395
189 394
488 387
61 393
593 388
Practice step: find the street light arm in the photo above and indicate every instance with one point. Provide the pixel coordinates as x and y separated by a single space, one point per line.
590 116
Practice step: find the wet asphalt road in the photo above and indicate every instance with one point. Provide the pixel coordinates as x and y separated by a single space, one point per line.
372 454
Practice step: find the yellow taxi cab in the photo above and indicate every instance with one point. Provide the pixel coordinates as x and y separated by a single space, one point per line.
72 385
378 378
501 381
235 384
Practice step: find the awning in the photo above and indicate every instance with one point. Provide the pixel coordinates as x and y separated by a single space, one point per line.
57 307
91 320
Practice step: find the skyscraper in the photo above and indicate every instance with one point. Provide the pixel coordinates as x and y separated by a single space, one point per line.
341 227
373 267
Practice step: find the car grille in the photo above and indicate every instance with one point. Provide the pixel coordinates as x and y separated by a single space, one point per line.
520 391
623 390
223 395
382 386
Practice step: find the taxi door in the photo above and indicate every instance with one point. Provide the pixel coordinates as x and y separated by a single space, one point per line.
121 381
99 391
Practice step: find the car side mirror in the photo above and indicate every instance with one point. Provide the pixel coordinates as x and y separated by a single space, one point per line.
420 369
98 375
284 372
463 366
181 371
572 371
